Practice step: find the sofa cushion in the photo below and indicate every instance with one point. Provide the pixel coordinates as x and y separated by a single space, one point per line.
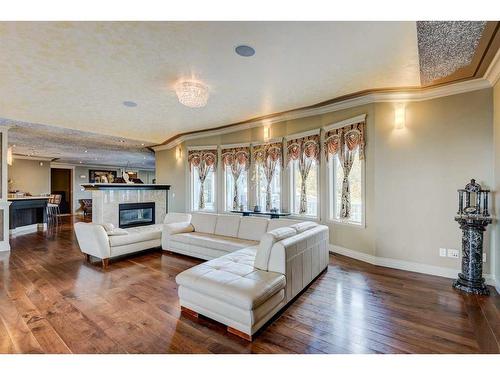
137 234
252 228
303 226
233 279
117 232
212 241
204 223
227 225
266 244
180 227
279 223
176 217
108 227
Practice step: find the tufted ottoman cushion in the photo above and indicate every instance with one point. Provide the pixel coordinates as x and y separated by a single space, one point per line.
234 280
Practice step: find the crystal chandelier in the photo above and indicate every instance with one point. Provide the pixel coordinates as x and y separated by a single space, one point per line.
192 93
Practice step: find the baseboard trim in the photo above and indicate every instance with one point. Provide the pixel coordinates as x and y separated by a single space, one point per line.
4 246
405 265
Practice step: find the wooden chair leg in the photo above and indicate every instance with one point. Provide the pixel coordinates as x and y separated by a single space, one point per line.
243 335
189 312
105 263
87 258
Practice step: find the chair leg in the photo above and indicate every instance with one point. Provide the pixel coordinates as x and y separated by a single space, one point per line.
105 263
87 258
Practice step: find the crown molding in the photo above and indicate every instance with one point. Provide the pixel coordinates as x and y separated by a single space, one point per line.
34 158
364 98
349 121
493 72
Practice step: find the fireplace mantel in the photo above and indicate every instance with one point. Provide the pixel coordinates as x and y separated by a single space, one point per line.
125 186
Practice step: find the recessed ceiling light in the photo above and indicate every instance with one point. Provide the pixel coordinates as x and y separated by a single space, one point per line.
86 151
245 51
128 103
121 141
142 144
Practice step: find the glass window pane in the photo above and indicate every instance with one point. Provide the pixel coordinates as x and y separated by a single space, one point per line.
356 189
311 189
275 188
209 191
242 189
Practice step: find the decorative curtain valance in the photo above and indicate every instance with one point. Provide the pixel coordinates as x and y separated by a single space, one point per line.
307 147
238 159
345 142
268 155
198 157
236 156
271 151
205 161
305 150
350 137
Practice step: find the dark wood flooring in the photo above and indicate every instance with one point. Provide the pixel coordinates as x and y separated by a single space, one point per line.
51 301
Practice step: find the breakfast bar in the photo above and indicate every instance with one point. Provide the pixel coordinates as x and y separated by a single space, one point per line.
27 214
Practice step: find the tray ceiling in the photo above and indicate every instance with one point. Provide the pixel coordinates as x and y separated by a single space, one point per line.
77 75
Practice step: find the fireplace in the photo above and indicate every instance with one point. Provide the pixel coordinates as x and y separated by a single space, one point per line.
136 214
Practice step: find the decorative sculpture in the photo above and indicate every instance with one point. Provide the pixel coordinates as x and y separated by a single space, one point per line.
473 217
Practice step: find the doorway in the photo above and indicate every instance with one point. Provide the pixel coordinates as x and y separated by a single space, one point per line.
61 183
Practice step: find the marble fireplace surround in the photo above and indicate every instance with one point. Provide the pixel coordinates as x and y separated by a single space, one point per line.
106 199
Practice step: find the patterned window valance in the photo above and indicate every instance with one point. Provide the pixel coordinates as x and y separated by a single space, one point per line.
307 147
206 157
269 151
236 156
350 137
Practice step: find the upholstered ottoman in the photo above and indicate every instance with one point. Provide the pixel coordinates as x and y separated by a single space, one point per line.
230 290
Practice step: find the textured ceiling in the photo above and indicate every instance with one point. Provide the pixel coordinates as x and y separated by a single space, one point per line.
75 147
76 75
445 46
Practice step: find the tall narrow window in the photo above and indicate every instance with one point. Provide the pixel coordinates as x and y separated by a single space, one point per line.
236 161
345 152
202 165
267 178
303 161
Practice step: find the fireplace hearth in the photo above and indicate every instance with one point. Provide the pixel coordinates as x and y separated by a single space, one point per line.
136 214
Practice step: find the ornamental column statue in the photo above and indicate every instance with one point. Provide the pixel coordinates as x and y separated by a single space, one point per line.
473 217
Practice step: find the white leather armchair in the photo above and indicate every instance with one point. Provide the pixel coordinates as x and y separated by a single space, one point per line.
93 240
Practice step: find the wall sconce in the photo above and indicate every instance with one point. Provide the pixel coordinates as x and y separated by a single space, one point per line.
10 158
178 153
399 116
267 132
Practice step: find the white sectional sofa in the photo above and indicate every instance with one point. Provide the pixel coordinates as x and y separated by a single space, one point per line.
103 241
256 266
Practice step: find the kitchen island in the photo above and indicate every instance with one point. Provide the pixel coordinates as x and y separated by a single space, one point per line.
27 214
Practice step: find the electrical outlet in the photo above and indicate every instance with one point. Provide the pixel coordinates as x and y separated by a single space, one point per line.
484 257
442 252
453 253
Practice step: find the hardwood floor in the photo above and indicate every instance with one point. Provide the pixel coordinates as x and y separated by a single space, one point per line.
51 301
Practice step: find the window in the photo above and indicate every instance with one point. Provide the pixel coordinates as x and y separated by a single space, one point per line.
275 187
209 190
242 188
311 189
336 176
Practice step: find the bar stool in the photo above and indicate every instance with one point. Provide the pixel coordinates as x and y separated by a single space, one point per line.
53 210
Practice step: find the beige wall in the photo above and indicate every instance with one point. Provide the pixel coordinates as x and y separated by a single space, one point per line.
418 170
29 176
411 175
496 186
